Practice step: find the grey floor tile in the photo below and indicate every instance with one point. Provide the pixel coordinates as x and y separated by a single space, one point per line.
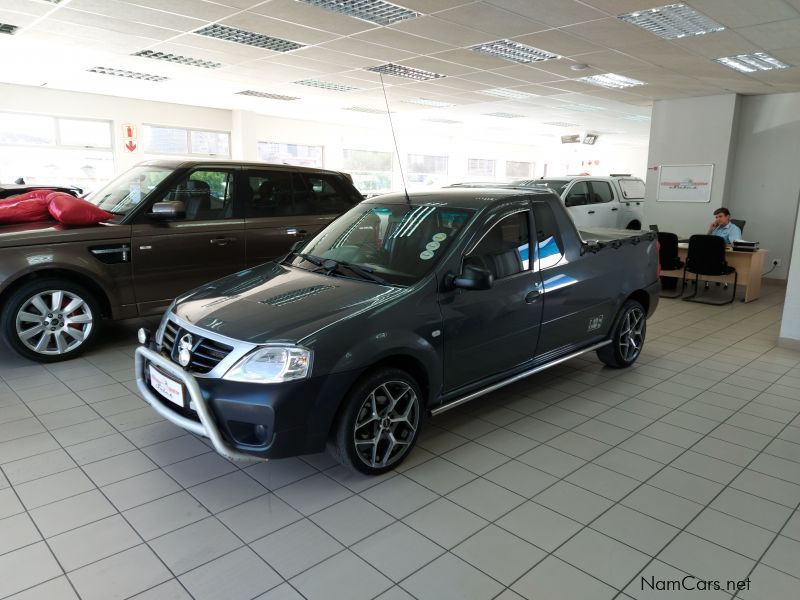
579 445
752 509
79 547
240 575
776 466
784 555
520 478
659 580
275 474
770 488
399 496
355 481
603 481
52 488
687 485
17 531
154 433
438 440
117 468
352 520
259 517
194 544
161 516
55 589
397 551
704 559
475 458
344 572
175 450
635 529
766 582
100 449
26 447
731 533
169 590
553 578
603 432
227 491
395 593
555 415
281 592
445 523
651 448
450 578
295 548
662 505
120 576
27 567
723 450
551 460
486 499
742 437
573 501
68 417
784 449
707 467
312 494
41 465
72 512
140 489
627 463
625 419
539 525
535 429
499 554
20 428
603 557
440 475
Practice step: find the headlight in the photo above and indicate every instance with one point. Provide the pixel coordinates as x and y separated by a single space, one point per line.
272 364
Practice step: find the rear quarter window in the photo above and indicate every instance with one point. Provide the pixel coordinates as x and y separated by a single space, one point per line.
632 189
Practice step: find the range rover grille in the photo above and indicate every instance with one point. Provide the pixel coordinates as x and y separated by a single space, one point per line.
206 353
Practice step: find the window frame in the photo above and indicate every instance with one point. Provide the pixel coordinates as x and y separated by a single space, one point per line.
189 131
500 219
57 132
320 146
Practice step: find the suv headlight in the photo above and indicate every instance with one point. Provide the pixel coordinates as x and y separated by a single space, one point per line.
272 364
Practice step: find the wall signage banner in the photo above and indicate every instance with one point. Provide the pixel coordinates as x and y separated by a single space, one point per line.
685 183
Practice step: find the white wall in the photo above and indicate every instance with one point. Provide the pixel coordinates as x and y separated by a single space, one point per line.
790 324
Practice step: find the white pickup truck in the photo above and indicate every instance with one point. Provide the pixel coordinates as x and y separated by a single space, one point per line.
616 201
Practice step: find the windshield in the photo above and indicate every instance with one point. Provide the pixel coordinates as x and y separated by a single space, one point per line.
123 194
557 185
400 243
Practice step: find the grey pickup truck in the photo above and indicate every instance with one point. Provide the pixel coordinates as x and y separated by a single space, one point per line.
176 224
404 306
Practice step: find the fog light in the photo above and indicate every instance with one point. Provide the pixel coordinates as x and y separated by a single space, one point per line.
143 335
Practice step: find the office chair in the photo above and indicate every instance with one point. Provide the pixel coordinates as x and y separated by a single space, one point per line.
706 256
739 223
669 260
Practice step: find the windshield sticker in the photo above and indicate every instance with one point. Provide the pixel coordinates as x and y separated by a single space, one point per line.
426 255
432 246
439 237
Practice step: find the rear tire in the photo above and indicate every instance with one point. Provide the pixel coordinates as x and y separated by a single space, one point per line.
50 320
379 422
627 337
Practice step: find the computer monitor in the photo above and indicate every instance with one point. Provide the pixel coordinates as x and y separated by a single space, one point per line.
654 228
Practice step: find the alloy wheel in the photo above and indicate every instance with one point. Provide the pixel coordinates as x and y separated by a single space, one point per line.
631 335
54 322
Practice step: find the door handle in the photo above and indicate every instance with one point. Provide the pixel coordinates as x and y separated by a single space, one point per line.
591 212
297 232
614 209
222 241
533 296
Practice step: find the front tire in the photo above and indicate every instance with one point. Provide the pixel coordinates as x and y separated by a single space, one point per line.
379 422
627 337
50 320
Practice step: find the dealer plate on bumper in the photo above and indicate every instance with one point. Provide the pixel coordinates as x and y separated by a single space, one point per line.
167 387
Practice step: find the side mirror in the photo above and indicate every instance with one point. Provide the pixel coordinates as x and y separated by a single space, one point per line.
474 278
168 210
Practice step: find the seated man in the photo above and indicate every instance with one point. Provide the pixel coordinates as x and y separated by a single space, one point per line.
722 226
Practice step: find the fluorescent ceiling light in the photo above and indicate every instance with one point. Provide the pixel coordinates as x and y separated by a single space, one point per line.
7 28
266 95
513 51
374 11
327 85
749 63
561 124
504 115
249 38
580 107
128 74
444 121
406 72
364 109
178 59
611 80
507 93
673 21
427 102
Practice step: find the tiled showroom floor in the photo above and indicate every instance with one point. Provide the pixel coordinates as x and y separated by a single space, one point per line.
581 482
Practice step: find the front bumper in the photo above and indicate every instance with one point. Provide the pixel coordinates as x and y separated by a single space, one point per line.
289 418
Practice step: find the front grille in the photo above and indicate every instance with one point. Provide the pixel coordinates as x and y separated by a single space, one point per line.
206 353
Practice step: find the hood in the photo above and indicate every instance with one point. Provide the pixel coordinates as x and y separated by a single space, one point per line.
51 232
275 303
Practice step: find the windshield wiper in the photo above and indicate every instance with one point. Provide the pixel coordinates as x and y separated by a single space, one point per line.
332 266
314 260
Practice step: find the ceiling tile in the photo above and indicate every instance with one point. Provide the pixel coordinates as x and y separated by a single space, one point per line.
489 79
428 63
66 15
494 20
724 43
556 13
195 52
279 29
772 36
241 51
569 85
741 14
136 14
791 56
613 33
16 18
27 7
461 84
527 73
312 16
402 41
111 41
337 58
558 42
539 90
562 68
472 59
436 29
290 59
621 7
378 54
610 60
428 7
198 9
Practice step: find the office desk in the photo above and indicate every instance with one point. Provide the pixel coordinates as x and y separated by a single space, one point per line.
749 266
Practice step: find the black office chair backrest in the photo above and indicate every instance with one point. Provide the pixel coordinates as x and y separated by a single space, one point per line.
197 197
668 251
706 255
739 223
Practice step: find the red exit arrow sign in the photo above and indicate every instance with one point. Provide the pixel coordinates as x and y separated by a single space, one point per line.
131 146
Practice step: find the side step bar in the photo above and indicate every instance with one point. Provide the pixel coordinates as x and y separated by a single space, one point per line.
510 380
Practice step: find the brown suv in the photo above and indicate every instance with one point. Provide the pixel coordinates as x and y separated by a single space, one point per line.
177 224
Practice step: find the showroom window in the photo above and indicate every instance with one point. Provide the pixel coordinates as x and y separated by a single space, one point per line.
480 167
44 149
290 154
426 171
522 170
157 139
371 171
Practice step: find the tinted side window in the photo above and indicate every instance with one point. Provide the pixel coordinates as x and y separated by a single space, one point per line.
602 191
328 194
549 246
270 194
505 249
207 194
578 195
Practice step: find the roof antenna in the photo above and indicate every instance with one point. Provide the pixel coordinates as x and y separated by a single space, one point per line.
394 137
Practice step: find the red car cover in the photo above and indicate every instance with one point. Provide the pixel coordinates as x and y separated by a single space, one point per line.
70 210
25 208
